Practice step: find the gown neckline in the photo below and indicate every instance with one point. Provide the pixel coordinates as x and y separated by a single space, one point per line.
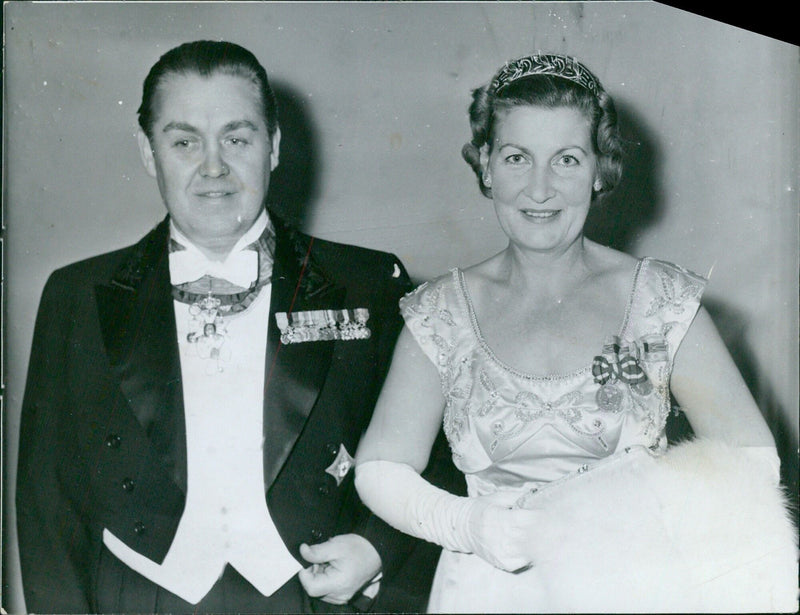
461 284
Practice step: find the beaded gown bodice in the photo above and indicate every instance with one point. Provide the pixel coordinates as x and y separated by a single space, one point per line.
510 431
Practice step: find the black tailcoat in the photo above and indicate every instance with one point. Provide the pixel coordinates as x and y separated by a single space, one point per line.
103 441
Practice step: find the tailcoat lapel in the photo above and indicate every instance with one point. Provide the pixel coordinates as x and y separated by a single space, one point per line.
137 320
295 373
138 324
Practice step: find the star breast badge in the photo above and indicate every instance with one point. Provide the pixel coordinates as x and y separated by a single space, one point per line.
341 465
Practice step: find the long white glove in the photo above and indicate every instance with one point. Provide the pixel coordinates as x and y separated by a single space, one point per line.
406 501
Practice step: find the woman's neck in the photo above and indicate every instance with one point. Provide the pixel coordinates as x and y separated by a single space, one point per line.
546 273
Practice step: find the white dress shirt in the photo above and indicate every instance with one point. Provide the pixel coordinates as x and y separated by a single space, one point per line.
226 519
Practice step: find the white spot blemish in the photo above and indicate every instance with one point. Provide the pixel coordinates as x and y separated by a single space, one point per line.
396 272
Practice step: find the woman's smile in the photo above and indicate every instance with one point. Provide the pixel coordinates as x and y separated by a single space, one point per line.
540 215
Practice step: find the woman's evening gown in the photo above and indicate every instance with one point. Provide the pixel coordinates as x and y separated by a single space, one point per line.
513 434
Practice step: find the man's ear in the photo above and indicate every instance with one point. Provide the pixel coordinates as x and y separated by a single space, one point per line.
276 147
146 153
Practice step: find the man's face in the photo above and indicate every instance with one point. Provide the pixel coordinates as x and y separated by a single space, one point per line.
211 155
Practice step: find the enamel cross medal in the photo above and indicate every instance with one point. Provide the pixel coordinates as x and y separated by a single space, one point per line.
207 332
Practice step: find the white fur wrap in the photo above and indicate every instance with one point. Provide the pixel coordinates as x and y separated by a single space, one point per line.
702 528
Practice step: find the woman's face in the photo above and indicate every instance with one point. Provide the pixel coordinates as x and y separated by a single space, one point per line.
542 167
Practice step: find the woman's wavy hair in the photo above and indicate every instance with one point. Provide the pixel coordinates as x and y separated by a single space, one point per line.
550 92
206 58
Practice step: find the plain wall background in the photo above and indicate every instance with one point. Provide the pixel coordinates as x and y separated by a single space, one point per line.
375 99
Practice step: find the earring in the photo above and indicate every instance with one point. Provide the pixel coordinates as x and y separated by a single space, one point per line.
487 180
597 185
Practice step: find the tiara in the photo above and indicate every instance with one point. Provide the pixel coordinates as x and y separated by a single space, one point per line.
546 64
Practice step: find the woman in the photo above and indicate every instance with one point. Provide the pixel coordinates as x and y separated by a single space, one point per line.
551 366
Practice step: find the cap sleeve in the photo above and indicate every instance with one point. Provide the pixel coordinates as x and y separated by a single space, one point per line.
668 301
431 314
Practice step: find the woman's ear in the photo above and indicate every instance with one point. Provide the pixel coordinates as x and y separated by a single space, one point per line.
484 156
486 174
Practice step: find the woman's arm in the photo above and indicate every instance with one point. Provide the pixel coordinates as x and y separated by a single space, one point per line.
711 391
408 414
395 449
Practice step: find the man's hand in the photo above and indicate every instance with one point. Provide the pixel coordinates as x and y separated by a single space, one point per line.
339 567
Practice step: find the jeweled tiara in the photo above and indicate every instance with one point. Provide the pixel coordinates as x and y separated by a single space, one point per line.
546 64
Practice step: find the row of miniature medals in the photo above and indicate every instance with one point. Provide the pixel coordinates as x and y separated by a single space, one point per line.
620 364
208 333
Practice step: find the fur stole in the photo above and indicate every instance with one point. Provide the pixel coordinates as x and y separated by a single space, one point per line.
702 528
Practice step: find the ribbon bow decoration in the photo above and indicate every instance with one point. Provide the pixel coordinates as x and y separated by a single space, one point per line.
188 265
620 360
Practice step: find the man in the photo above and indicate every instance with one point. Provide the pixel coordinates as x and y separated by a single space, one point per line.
194 401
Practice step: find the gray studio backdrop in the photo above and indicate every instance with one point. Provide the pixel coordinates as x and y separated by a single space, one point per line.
374 101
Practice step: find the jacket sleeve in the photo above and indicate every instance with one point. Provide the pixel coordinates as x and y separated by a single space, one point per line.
53 542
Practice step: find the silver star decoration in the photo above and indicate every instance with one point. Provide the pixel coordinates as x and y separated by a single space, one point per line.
341 465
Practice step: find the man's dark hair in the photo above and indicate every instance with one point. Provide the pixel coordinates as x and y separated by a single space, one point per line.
206 58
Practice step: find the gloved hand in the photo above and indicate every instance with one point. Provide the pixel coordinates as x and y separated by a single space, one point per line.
400 496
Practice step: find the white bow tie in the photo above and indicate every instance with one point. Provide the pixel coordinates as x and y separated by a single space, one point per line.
240 267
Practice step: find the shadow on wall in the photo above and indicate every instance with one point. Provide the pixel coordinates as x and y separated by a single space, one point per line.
619 219
636 202
732 326
294 183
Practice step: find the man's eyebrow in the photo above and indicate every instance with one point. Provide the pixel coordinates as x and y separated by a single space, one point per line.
179 126
236 124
